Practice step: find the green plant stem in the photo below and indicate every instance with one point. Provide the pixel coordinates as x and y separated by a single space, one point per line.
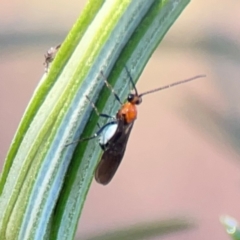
40 171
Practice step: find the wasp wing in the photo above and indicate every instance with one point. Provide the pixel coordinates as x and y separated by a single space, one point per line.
112 157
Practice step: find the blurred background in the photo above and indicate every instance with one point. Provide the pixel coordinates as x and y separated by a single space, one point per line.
182 158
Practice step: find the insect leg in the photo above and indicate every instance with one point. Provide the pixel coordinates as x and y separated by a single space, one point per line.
111 88
100 128
95 135
96 110
83 139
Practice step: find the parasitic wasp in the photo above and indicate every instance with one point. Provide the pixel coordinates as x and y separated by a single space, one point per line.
113 136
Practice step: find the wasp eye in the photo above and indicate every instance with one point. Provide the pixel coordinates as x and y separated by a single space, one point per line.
130 97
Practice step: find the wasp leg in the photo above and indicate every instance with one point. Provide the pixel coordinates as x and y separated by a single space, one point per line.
91 137
96 110
111 88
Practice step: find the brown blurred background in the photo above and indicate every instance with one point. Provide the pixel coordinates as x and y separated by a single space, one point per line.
182 158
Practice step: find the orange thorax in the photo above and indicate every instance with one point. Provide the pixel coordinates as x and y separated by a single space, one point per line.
128 112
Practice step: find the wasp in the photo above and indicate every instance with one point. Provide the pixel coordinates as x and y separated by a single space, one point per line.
114 135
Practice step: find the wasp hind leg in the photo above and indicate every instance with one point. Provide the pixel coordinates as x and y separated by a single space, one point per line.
100 128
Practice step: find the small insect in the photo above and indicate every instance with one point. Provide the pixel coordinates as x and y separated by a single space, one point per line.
49 56
113 136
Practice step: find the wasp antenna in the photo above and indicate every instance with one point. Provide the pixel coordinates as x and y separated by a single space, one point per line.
131 80
172 85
